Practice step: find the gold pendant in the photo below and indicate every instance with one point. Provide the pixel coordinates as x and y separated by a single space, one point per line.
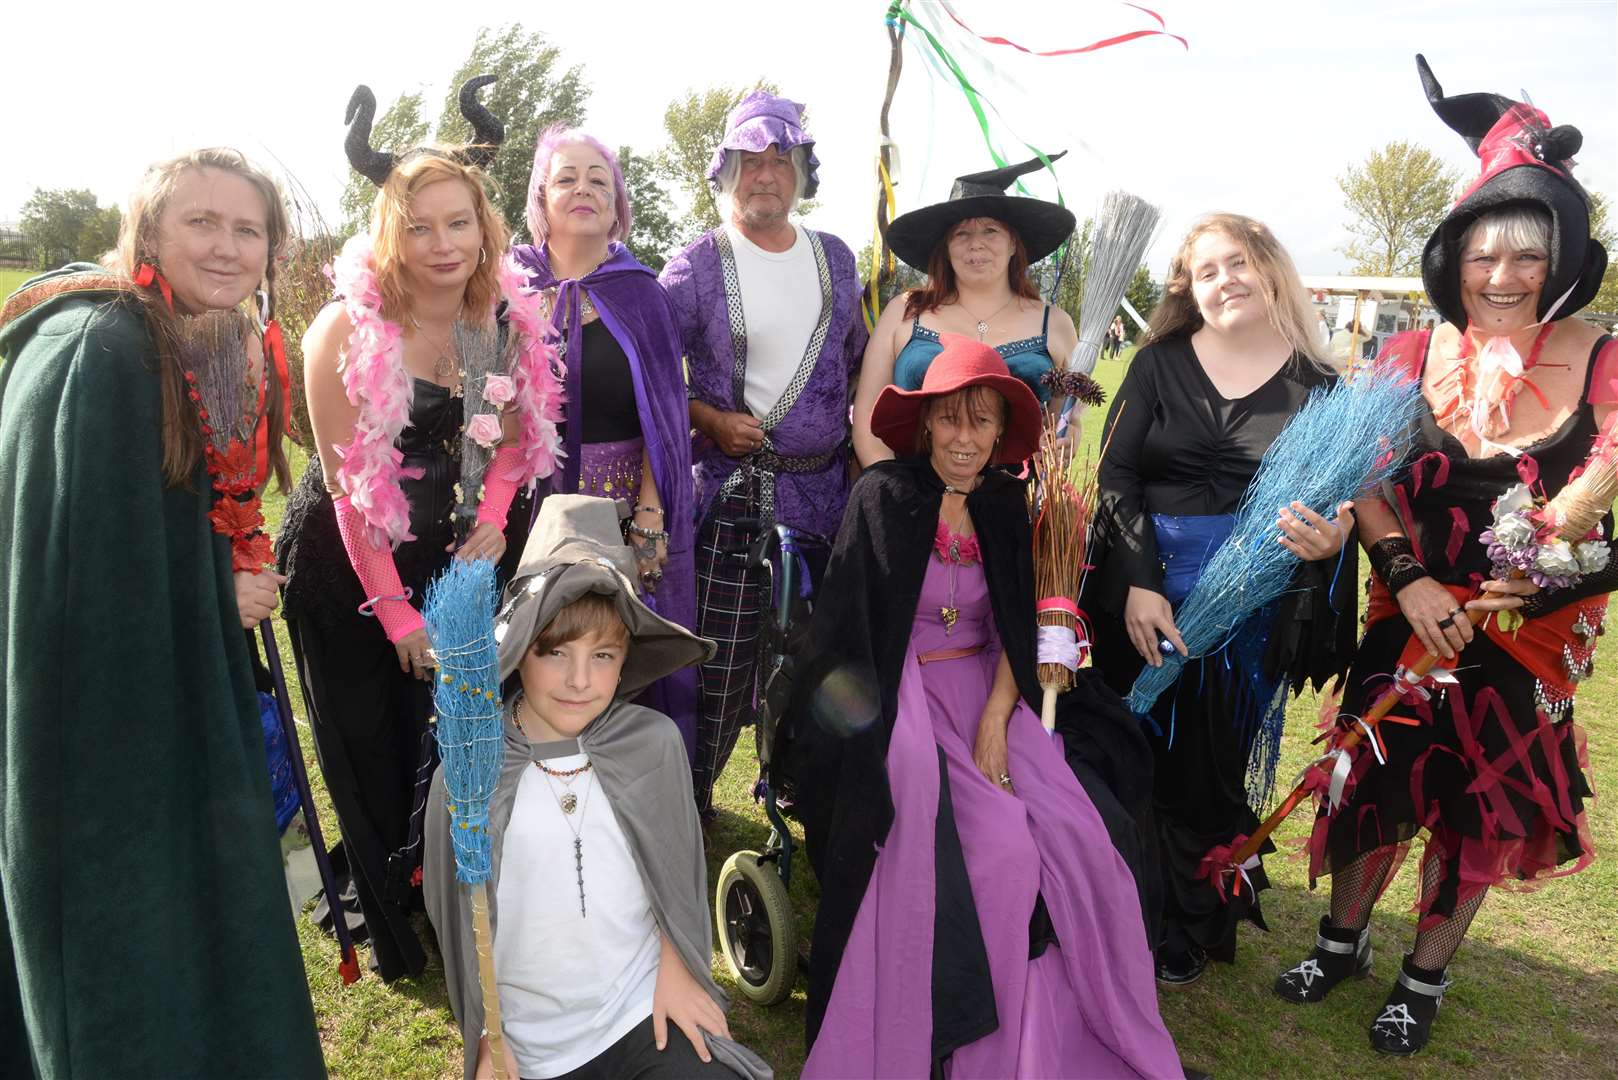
570 803
949 615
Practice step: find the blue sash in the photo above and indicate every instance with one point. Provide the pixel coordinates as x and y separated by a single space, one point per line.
1185 543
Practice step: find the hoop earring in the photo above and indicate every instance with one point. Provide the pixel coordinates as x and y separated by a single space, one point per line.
263 305
482 254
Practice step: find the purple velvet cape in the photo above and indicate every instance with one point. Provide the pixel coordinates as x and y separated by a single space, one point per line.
636 312
817 423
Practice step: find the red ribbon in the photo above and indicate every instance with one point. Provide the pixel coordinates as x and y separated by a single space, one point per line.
1217 863
146 273
275 347
1440 469
1094 46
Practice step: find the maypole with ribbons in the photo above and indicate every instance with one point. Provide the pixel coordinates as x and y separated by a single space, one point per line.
932 41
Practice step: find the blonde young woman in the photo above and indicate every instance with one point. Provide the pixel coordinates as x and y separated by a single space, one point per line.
1230 355
146 926
428 361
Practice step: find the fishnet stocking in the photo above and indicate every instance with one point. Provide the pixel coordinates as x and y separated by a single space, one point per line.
1356 887
1435 946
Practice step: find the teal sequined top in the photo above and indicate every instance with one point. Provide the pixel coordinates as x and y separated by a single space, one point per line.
1028 358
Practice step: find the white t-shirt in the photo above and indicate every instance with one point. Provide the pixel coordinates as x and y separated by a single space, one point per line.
570 986
781 305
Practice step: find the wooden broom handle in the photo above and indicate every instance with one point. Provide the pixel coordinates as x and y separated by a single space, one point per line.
1352 737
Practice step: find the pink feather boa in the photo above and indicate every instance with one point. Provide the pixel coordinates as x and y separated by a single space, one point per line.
376 382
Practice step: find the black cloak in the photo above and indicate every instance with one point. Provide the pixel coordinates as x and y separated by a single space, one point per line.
845 704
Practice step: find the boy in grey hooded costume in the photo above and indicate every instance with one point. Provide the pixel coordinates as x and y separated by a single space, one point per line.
575 549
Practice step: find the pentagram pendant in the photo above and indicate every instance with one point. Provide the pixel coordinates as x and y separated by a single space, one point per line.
983 328
443 367
949 615
570 802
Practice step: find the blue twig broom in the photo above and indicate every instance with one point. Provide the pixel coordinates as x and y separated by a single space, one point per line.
459 611
1343 441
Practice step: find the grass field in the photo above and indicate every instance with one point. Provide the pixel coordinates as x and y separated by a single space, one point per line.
1535 993
10 280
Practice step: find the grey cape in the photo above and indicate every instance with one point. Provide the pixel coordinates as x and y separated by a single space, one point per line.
639 760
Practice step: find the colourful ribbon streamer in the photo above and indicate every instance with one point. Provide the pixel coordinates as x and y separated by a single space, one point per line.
1094 46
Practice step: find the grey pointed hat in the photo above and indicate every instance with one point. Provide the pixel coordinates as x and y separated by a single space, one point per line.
576 548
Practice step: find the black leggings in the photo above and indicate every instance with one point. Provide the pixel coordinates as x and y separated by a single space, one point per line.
368 718
636 1057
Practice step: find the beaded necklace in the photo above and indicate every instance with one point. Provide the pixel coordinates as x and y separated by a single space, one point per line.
235 451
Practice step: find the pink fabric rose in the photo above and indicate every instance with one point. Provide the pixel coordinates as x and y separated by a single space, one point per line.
499 390
484 429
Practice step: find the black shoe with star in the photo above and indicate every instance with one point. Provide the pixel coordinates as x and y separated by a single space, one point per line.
1406 1021
1337 955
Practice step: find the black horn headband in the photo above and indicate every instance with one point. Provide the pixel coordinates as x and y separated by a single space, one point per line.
375 165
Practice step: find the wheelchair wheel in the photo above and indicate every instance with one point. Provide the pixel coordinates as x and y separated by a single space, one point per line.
756 929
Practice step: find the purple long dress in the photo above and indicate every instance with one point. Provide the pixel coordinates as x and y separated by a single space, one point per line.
1086 1007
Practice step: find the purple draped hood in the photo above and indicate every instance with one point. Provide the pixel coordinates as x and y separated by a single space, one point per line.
636 313
762 119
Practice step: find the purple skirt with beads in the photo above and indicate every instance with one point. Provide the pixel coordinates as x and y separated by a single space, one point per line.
612 470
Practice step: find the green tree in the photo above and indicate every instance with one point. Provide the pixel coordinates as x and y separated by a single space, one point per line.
99 234
1143 294
1395 200
696 126
652 238
532 91
64 225
1602 229
1063 282
400 128
904 279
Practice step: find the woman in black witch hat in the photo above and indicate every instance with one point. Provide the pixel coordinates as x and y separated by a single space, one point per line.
427 399
1493 766
976 248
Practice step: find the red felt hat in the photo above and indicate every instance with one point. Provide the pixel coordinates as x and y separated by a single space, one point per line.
962 363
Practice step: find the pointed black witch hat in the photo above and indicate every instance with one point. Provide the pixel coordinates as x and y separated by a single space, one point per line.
1525 162
1042 225
375 165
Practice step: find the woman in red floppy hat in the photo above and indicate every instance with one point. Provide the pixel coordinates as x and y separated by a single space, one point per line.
973 936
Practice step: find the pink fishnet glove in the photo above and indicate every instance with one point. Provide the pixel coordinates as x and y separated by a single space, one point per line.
497 490
379 577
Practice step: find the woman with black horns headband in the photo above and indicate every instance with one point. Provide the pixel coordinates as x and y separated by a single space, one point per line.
433 401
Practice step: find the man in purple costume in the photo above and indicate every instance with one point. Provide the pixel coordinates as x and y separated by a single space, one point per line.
768 314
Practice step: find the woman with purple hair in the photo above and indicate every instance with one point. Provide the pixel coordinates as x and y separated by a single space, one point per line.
626 430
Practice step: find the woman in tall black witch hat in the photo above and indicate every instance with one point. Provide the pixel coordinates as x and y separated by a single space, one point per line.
976 248
1494 767
432 401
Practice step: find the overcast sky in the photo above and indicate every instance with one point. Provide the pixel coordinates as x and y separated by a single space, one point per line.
1269 103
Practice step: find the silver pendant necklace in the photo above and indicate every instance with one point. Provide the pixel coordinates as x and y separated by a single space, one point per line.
566 802
983 324
444 366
